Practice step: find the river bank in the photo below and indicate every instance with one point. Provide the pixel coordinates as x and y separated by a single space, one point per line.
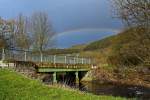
126 76
129 83
14 86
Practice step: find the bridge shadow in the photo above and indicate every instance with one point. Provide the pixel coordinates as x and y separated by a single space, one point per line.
64 78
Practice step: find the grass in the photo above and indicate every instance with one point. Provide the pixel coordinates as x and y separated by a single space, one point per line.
14 86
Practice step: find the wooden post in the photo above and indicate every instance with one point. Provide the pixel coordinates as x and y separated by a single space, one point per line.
54 77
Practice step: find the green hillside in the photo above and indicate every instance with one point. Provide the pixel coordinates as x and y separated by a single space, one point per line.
113 41
100 44
129 47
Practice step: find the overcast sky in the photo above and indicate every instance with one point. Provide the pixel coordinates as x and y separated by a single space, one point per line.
66 15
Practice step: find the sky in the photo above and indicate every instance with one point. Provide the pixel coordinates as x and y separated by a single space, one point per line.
65 15
65 40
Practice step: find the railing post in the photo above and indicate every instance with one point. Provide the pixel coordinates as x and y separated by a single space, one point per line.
41 57
65 59
89 61
82 61
54 59
25 56
74 60
77 60
3 54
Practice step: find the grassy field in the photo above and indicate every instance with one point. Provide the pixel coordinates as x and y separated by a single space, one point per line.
14 86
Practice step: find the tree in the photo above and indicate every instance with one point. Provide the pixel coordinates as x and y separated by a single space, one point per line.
42 30
22 37
136 14
7 29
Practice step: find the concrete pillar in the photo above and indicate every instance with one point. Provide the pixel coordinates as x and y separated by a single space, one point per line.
54 77
77 77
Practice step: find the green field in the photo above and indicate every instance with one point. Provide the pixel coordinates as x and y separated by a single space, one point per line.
14 86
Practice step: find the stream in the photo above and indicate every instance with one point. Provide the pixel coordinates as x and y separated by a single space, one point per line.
118 90
127 91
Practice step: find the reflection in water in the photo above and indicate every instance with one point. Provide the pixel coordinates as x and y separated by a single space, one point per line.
116 90
103 89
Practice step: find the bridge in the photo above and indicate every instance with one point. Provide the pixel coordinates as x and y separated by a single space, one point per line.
53 64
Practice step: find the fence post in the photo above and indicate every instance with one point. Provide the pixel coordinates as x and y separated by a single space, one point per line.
77 59
25 56
89 61
41 57
3 54
74 60
82 61
65 59
54 59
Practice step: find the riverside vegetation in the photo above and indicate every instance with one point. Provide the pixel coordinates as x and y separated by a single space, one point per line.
121 58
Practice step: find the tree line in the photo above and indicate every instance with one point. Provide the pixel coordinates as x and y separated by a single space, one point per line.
34 32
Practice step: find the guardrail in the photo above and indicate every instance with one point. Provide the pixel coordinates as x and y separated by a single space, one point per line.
20 55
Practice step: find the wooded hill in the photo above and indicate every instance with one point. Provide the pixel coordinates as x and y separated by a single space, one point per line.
128 48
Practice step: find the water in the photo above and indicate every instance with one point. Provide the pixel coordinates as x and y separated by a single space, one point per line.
127 91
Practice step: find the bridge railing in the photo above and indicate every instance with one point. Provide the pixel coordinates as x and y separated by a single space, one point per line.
20 55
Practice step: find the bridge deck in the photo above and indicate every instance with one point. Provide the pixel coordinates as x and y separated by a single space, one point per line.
62 65
61 69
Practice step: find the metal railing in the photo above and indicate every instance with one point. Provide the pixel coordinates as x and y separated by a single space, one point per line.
20 55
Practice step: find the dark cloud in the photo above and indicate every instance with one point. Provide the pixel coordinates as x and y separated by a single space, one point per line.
65 14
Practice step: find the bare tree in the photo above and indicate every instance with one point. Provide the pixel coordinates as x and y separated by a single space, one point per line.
22 37
134 12
42 30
